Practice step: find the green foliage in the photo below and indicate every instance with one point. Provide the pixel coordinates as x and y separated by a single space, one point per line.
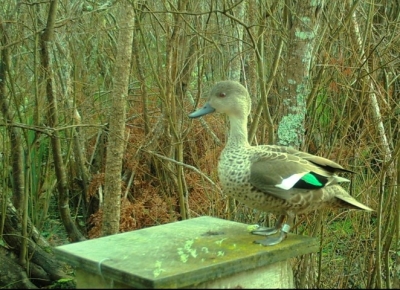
65 283
323 111
37 174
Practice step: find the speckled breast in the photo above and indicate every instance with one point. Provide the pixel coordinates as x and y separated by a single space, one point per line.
234 175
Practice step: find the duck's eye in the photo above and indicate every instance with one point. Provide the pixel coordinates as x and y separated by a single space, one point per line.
222 95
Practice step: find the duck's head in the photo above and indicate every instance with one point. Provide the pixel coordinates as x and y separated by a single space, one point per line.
228 97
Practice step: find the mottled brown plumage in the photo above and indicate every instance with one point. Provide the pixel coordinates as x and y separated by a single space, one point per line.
271 178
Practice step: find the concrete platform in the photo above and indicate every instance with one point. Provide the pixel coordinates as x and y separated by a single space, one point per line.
203 252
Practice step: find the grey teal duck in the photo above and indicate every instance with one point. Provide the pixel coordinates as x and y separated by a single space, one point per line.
270 178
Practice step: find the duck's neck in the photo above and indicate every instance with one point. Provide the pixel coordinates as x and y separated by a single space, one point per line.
238 132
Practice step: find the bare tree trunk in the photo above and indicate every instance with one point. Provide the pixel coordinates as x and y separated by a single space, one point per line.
17 154
265 85
140 74
75 134
173 90
46 60
387 175
236 65
116 138
371 89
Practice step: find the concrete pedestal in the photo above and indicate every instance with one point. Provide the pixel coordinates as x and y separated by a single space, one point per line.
203 252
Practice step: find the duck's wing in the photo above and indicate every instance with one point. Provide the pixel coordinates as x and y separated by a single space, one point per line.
327 164
284 175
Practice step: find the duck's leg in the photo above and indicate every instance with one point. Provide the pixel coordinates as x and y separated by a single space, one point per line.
263 231
270 241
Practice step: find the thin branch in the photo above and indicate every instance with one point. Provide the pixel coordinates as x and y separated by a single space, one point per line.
49 130
187 166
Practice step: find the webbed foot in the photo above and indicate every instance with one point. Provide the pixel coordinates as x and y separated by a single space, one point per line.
270 241
263 231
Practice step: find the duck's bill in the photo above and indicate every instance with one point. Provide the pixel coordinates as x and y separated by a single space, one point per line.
207 109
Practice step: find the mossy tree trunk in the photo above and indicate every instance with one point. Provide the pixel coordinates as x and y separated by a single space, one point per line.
302 22
116 135
302 26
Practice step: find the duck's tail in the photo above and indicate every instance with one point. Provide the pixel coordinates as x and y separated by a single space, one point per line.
345 200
